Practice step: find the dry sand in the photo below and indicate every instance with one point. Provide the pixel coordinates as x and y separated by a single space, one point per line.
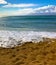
42 53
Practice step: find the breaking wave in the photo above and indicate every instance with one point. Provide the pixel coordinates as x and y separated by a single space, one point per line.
12 38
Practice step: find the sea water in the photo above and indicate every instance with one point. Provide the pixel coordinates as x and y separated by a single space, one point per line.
18 29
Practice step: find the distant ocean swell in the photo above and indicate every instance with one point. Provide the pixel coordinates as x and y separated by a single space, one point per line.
39 23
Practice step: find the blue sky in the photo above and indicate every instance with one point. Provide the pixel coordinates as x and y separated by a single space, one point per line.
27 7
47 2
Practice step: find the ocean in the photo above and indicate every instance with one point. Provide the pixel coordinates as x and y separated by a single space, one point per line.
37 23
19 29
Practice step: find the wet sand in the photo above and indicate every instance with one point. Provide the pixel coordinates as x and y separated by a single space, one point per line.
42 53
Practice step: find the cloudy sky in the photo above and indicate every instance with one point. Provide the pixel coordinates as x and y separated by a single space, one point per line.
27 7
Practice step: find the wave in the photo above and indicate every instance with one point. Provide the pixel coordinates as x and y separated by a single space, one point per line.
12 38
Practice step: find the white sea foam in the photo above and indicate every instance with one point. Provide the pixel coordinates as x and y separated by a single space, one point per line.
12 38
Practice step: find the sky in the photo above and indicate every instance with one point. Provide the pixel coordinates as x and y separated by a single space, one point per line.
27 7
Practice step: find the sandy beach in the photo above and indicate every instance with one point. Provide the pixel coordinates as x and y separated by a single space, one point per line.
41 53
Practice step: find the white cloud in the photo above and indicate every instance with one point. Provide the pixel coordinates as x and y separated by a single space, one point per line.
25 11
29 11
19 5
46 9
3 2
32 11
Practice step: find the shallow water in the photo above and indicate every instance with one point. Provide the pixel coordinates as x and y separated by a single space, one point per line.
19 29
12 38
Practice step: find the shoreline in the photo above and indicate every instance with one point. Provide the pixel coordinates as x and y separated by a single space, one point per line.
29 53
14 38
33 42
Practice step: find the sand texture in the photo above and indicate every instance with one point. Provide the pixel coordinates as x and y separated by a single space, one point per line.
42 53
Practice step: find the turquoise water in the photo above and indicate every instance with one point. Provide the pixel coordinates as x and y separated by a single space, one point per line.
38 23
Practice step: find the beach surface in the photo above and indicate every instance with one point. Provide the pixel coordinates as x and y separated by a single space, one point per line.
29 53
